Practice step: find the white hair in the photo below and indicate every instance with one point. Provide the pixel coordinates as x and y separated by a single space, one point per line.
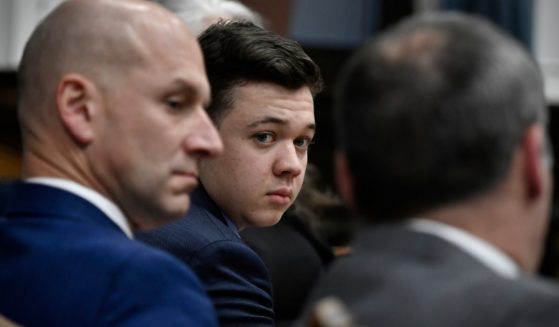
199 14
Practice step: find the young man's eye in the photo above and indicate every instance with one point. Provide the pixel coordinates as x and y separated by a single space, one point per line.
303 142
264 138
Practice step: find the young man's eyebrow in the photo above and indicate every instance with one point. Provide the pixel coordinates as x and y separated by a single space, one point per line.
276 120
268 120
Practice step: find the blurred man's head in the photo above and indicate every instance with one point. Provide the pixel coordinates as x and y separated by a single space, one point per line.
262 103
112 96
433 112
440 110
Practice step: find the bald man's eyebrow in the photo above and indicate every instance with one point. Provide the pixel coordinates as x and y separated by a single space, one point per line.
277 121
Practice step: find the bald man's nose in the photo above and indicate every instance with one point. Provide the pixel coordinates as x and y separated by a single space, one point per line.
203 139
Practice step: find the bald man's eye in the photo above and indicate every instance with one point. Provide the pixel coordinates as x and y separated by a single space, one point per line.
175 103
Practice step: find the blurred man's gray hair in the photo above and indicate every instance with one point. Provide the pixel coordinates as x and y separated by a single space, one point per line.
199 14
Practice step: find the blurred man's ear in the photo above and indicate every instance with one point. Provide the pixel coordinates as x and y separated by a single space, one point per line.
537 160
75 105
344 178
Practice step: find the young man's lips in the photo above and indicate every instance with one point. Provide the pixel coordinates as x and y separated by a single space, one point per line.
284 193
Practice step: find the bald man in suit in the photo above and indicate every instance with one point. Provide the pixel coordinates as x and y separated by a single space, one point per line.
113 128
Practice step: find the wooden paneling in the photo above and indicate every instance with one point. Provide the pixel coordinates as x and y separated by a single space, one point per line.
10 139
10 163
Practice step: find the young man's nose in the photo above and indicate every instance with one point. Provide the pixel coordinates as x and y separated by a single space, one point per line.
289 161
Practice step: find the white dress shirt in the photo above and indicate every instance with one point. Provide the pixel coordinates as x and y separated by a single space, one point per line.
480 249
95 198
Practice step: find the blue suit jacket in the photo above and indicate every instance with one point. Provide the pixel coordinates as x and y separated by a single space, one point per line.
234 275
64 263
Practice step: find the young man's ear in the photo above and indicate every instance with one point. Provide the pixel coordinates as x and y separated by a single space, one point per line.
537 158
344 178
75 99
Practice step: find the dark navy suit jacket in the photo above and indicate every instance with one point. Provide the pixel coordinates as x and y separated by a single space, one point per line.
234 275
64 263
296 259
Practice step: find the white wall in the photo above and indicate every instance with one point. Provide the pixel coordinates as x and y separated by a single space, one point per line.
546 44
5 32
18 18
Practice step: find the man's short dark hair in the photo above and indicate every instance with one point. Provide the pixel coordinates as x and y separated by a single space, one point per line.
432 111
238 52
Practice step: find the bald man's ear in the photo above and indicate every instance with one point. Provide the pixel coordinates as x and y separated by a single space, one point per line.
75 101
344 179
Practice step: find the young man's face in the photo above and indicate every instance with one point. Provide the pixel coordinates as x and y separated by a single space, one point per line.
266 134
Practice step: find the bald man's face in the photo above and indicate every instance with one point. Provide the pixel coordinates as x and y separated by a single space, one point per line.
155 128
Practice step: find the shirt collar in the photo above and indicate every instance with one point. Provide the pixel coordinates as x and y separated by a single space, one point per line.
95 198
482 250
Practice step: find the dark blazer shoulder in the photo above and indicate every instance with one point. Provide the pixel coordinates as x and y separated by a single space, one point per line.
391 263
235 277
189 235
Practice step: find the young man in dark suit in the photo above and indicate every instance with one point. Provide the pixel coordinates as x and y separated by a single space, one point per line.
262 104
113 128
443 149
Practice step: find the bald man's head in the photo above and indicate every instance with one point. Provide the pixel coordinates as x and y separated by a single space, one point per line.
112 97
101 40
